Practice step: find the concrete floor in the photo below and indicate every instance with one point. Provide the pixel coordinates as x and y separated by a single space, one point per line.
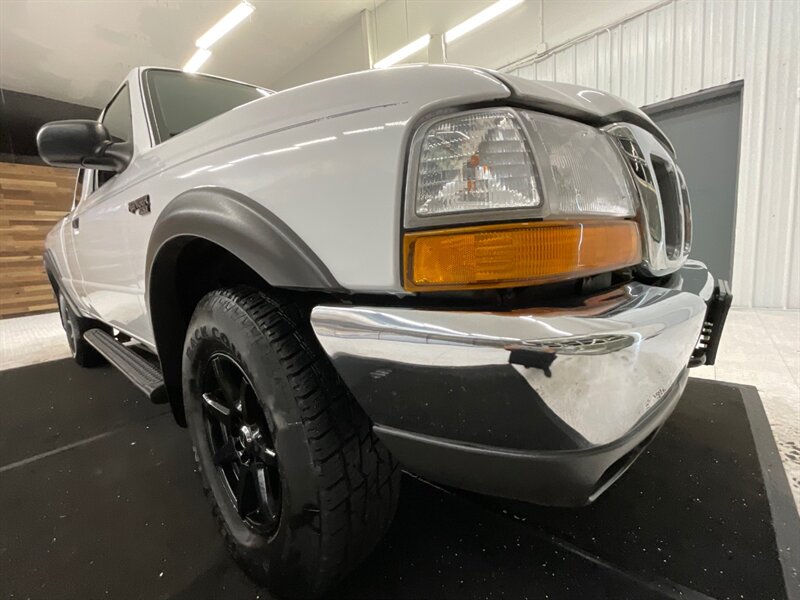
759 347
99 499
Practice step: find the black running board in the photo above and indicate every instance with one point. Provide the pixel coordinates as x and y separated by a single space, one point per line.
142 373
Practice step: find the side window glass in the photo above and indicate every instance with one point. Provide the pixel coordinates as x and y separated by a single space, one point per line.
79 183
117 117
117 120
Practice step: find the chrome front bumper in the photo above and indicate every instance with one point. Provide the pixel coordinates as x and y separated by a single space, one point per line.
540 382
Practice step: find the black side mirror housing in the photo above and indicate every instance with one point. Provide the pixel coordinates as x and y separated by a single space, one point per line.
82 143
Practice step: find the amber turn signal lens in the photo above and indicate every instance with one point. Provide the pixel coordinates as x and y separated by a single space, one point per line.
517 254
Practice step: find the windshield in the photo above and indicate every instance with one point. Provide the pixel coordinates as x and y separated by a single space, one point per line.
181 100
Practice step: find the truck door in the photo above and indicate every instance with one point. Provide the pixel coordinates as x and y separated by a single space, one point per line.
100 233
72 278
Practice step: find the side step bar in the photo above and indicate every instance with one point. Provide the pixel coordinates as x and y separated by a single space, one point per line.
142 373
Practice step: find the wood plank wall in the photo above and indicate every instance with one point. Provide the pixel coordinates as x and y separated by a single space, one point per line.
32 199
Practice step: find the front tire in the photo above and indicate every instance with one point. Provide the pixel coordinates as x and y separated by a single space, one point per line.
300 486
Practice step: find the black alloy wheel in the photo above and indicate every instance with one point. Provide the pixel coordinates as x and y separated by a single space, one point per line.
241 444
301 488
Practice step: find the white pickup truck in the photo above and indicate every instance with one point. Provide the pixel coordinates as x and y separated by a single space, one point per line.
478 278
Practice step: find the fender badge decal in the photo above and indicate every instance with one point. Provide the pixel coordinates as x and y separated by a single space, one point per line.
140 206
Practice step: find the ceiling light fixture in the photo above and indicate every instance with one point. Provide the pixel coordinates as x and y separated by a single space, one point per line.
478 19
225 24
197 60
404 52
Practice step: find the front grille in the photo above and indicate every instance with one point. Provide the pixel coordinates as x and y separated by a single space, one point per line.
670 194
665 214
687 215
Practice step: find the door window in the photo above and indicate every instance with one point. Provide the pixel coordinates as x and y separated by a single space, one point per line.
79 183
117 117
118 122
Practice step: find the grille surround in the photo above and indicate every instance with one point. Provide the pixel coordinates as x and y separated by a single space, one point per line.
664 210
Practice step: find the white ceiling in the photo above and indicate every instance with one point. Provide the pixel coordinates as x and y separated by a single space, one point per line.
79 50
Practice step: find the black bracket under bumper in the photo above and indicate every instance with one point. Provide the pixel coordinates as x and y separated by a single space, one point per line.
706 351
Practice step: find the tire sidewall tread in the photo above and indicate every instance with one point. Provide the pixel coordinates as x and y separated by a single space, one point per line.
82 352
340 484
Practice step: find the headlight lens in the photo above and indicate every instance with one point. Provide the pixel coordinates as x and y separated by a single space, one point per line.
582 172
475 161
489 160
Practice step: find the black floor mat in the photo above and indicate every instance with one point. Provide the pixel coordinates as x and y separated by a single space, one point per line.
98 499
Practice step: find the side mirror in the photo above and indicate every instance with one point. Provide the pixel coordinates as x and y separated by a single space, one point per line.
82 143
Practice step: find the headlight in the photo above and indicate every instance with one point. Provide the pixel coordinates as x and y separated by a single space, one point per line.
475 161
486 163
559 180
582 172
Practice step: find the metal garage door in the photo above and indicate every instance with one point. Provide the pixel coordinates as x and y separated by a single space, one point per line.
705 131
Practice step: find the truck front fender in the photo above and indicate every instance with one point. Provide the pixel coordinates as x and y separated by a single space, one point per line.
241 227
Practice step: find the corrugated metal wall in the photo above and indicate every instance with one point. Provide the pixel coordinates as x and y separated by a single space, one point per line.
684 46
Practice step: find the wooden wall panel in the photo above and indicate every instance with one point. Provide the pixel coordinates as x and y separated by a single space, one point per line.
32 199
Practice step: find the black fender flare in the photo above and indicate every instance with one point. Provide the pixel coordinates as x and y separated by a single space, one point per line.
241 226
245 228
54 277
51 270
